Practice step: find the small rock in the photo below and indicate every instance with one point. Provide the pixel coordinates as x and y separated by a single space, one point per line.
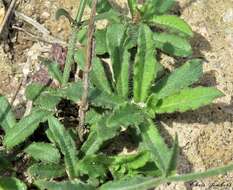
45 15
29 10
228 16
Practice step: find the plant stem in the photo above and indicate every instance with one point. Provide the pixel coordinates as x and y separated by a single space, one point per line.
82 6
69 57
89 56
72 44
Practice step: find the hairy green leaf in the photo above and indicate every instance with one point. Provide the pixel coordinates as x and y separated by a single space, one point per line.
95 166
72 91
174 156
115 38
102 6
127 165
47 102
46 171
133 183
125 115
103 99
123 78
66 145
155 7
112 16
7 118
43 151
65 185
172 44
180 78
100 134
164 6
172 23
110 125
37 92
99 77
202 175
132 161
42 96
132 6
100 41
145 68
132 36
82 36
34 90
92 117
148 9
92 144
144 183
11 183
24 128
187 99
53 69
154 142
118 43
50 136
79 58
150 169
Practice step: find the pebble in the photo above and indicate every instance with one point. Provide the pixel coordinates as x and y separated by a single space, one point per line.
228 16
45 15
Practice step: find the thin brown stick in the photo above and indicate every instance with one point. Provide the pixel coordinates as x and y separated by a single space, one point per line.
89 55
46 35
32 22
40 38
16 92
45 39
7 16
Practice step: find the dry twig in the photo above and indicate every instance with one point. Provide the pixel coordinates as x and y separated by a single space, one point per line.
32 22
46 37
16 92
89 56
7 16
34 37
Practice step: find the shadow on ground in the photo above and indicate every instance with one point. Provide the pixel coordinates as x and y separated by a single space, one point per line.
216 113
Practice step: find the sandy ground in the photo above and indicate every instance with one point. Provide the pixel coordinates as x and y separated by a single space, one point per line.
205 135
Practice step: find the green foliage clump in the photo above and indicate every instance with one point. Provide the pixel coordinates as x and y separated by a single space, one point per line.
125 96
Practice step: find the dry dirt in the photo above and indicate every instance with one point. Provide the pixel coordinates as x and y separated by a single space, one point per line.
205 135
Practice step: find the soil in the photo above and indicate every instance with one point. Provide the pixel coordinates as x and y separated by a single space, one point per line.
205 135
